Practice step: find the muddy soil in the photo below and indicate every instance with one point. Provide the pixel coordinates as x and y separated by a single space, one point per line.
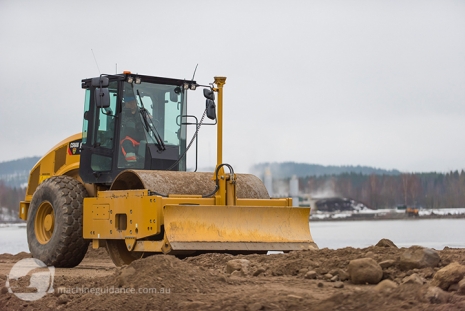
300 280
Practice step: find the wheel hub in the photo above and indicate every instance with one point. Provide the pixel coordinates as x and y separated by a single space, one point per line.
44 223
48 222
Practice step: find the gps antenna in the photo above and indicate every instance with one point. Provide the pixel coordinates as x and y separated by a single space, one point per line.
195 70
95 61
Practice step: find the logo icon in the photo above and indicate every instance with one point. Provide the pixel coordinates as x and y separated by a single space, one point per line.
30 279
74 147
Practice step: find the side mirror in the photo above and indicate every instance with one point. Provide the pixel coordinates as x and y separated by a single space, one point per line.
211 112
100 82
209 94
102 98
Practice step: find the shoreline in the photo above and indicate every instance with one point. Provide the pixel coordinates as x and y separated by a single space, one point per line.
375 217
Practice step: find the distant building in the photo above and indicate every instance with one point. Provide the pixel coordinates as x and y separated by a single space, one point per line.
334 204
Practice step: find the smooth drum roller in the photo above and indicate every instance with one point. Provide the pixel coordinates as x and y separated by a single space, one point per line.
187 183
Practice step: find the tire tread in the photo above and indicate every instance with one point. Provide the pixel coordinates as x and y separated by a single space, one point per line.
67 247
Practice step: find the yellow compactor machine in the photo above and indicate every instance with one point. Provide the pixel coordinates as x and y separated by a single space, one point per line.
122 183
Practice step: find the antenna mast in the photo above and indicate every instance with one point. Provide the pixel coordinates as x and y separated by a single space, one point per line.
95 61
195 70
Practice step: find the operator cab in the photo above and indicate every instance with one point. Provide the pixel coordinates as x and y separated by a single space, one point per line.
132 122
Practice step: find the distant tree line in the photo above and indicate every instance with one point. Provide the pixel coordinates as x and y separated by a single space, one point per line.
13 166
429 190
15 173
375 190
10 197
287 169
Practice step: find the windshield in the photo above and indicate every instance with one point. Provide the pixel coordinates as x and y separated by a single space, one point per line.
160 107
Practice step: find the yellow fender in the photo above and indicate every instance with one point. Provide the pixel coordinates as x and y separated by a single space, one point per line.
62 159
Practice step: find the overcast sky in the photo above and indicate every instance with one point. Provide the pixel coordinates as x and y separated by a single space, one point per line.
376 83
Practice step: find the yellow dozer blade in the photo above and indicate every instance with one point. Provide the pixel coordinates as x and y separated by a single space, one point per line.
237 228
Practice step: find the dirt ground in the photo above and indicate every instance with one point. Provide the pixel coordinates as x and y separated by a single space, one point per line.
311 280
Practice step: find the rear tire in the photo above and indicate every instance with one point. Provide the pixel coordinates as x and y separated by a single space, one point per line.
54 222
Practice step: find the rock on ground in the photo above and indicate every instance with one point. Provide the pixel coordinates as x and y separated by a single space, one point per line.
365 271
417 257
385 286
449 275
385 243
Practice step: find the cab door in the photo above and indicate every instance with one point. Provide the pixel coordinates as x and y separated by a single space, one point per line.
98 137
